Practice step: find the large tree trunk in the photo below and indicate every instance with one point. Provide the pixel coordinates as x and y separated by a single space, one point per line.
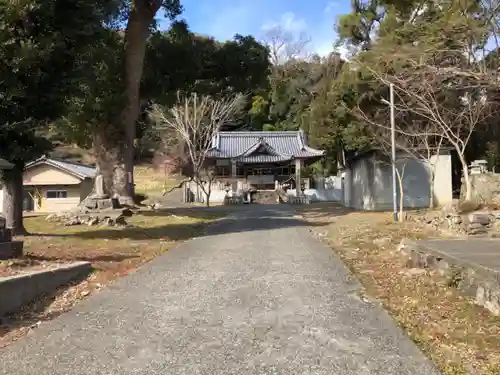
13 199
137 31
109 154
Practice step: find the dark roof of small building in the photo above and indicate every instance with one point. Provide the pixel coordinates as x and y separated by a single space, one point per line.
261 146
78 170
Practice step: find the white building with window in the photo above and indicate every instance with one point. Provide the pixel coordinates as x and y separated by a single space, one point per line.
52 185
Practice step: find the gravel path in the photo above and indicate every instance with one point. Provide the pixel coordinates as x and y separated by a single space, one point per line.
258 295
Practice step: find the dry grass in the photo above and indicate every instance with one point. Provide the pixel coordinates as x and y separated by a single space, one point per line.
113 253
152 182
459 336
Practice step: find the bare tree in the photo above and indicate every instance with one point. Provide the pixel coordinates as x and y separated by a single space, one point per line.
448 105
406 151
190 126
422 141
285 46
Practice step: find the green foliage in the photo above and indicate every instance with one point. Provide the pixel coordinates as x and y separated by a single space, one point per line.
181 61
97 93
178 60
41 44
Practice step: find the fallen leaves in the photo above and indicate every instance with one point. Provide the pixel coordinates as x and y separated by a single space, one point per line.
459 336
113 253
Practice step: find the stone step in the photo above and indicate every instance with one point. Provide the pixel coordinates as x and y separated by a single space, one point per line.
265 197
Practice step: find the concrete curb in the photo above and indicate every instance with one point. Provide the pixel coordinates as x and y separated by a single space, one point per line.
17 290
470 278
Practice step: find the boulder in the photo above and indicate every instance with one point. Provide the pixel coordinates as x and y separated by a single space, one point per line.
73 221
104 203
92 221
479 218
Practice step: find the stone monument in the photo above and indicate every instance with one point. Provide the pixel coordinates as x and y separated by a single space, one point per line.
8 248
98 199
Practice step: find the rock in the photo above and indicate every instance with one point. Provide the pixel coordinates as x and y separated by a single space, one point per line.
402 245
90 203
436 263
489 298
104 203
52 217
120 220
407 247
415 271
72 221
92 221
107 222
126 212
455 219
480 218
153 206
382 242
416 260
477 231
474 226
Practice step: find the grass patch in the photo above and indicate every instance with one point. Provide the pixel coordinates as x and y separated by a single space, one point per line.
113 252
460 337
152 182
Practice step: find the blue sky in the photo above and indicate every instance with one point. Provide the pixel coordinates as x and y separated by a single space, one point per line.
224 18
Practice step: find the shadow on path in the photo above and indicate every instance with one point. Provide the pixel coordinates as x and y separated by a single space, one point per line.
241 219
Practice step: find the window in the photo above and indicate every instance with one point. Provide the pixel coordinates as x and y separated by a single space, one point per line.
240 171
57 194
222 171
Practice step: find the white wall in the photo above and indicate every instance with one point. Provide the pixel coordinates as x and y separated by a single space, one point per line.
319 195
315 195
1 200
370 183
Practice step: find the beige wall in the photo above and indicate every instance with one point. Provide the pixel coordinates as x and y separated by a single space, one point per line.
44 178
58 204
48 175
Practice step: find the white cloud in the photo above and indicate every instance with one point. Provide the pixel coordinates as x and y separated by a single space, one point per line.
331 6
288 22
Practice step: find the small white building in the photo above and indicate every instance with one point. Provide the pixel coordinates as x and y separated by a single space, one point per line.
53 185
367 181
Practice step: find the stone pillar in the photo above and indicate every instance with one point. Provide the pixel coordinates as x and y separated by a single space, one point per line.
298 177
233 168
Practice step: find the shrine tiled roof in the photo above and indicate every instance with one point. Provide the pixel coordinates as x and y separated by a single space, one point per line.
261 146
